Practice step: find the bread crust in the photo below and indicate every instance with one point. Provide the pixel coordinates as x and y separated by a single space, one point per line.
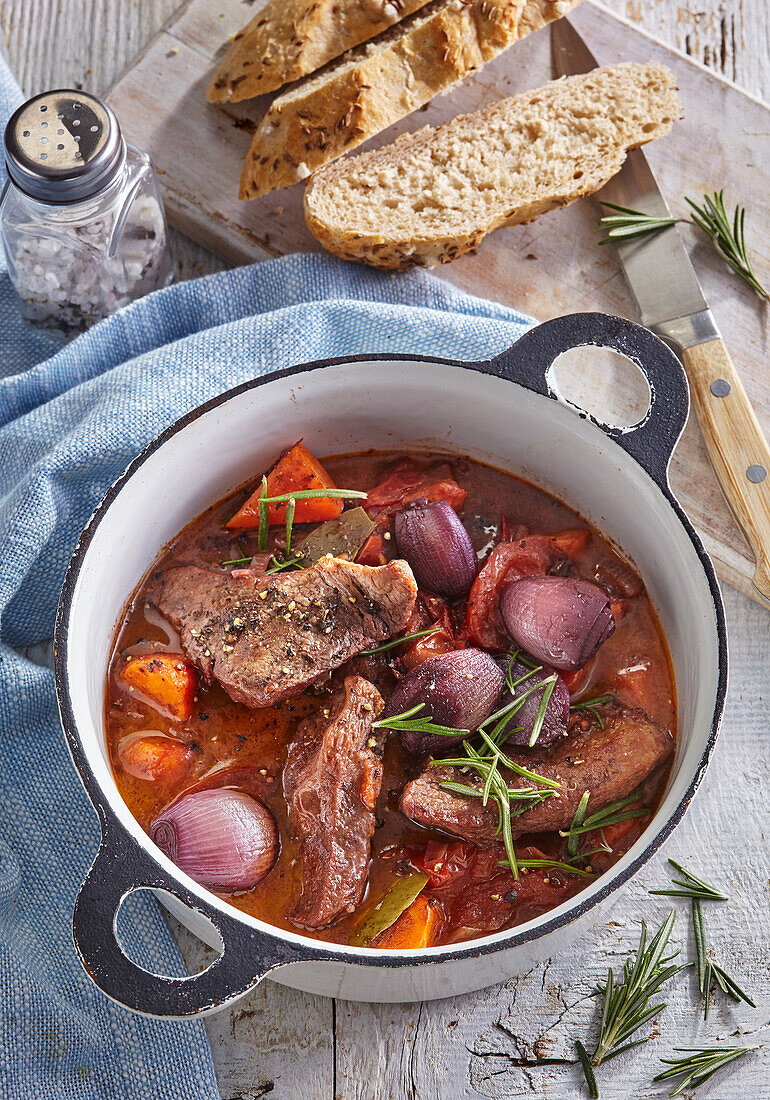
364 92
287 39
393 249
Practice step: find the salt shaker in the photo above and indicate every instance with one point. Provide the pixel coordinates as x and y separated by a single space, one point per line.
82 218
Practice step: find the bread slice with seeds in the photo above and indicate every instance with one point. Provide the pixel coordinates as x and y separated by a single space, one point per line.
289 38
433 195
375 85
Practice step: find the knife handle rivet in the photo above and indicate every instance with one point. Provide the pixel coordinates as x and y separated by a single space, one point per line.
756 474
720 387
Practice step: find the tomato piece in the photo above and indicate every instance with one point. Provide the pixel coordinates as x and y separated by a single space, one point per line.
417 927
154 757
424 648
167 680
371 553
297 469
429 611
528 557
409 482
580 680
445 861
636 683
573 543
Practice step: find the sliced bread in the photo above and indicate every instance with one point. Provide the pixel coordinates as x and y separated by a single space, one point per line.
375 85
287 39
433 195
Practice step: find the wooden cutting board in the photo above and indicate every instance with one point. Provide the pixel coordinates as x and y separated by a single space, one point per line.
551 267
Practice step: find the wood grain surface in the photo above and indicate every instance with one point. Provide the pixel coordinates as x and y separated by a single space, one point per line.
516 1039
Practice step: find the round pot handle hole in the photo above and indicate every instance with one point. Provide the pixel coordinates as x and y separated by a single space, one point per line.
651 442
247 955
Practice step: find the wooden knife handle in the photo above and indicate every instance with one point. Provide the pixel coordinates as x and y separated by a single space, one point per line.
736 445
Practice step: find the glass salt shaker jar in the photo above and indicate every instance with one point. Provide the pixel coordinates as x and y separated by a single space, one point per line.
81 216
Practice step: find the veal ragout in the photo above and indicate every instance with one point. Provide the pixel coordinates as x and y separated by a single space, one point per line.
284 748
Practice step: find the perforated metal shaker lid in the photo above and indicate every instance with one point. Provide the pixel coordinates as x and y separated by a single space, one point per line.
63 146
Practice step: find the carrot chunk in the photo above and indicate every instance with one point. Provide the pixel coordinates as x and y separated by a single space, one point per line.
168 680
572 542
297 469
417 927
155 757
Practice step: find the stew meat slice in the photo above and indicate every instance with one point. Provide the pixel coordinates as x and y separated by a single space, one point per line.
266 639
331 781
609 763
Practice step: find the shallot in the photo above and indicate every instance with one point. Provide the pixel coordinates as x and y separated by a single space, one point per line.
224 839
560 621
458 689
430 535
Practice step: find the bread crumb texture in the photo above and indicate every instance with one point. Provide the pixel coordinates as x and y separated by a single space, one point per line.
433 195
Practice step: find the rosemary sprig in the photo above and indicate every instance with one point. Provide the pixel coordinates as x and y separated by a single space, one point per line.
279 566
408 722
592 704
554 864
626 1004
577 821
487 765
709 971
690 886
629 223
611 814
291 504
290 499
698 1064
264 519
398 641
588 1070
727 236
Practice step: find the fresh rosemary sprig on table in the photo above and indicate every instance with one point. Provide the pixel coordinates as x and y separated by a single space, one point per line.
698 1064
398 641
626 1004
727 236
709 971
592 704
690 886
629 223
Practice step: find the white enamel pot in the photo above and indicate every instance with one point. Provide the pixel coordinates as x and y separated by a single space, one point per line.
499 411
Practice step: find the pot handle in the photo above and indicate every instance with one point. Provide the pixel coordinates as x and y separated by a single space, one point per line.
247 955
651 442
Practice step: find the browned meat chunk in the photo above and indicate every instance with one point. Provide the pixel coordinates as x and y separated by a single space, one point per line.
609 763
331 781
267 638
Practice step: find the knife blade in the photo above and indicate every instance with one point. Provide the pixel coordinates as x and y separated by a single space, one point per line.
671 303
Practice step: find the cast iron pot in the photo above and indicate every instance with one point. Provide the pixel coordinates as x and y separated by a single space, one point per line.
501 411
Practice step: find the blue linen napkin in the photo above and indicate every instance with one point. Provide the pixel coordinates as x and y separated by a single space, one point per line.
71 418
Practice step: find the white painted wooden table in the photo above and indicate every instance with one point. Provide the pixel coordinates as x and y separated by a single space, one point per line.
516 1039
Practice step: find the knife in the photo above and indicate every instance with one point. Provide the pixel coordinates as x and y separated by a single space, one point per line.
671 303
